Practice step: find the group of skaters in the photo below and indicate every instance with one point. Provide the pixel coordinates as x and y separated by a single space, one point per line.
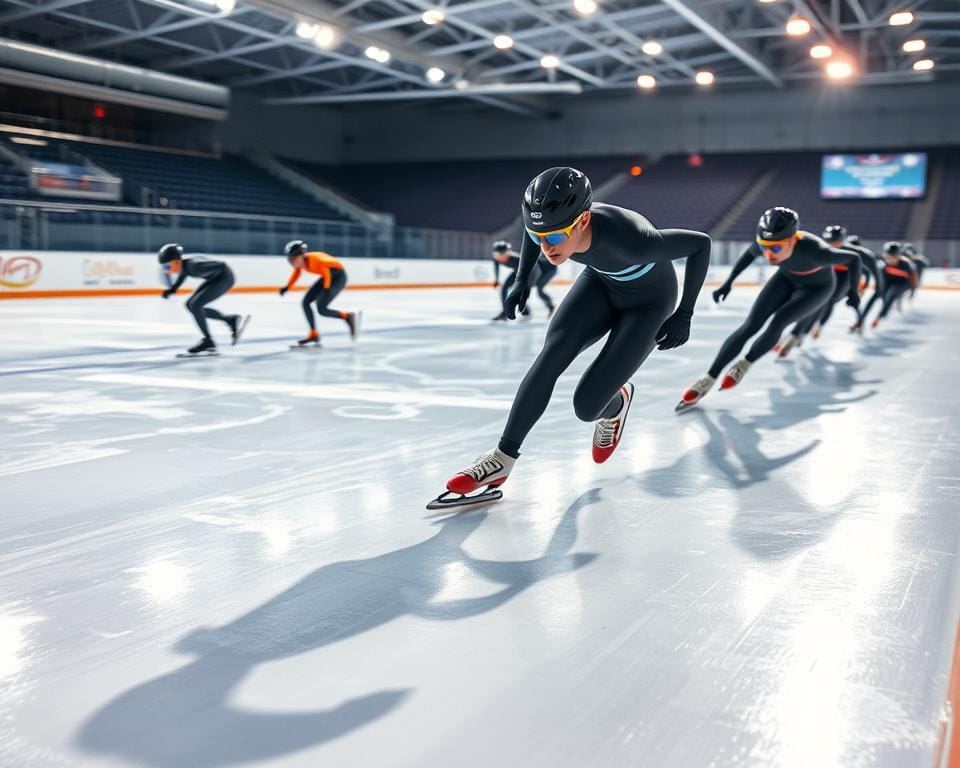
218 279
628 293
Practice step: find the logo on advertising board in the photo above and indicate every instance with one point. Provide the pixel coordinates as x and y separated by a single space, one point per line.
20 271
386 274
109 272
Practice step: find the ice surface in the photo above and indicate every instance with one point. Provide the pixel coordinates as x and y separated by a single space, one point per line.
228 561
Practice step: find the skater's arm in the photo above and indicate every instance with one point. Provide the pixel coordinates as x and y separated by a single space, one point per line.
496 273
529 253
843 257
739 266
695 248
178 282
294 276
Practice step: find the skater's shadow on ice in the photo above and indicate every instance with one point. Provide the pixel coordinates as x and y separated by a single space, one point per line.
889 341
733 447
186 718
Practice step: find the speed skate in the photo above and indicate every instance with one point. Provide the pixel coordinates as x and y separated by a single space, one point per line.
453 500
477 484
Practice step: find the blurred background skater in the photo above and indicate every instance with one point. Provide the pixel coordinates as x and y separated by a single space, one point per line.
332 279
217 280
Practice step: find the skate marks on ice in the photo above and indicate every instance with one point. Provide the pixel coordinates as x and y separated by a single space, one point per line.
187 718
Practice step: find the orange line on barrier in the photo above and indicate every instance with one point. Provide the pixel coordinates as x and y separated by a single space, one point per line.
75 294
952 750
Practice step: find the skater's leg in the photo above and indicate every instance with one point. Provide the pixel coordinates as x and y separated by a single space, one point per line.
312 294
584 317
209 291
877 295
546 275
338 279
776 291
891 296
631 340
800 304
505 289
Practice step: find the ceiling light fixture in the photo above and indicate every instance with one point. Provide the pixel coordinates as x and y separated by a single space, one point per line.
839 70
585 7
326 37
549 61
923 65
901 18
914 46
652 48
433 16
503 42
647 82
821 51
704 77
435 74
797 26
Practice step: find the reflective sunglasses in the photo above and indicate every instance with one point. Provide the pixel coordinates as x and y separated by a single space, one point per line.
774 246
554 237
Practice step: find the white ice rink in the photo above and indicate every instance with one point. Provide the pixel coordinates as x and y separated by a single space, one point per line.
227 561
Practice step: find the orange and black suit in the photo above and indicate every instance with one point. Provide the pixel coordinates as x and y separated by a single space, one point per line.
333 277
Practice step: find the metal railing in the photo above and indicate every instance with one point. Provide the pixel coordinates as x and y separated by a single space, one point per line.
38 225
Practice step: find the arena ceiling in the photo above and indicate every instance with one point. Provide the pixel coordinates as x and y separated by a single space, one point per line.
301 52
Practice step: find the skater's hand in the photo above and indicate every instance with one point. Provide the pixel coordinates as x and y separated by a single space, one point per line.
168 293
283 291
675 330
721 293
853 299
516 299
496 285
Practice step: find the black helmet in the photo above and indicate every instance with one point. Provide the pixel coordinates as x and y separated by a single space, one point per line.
501 246
777 224
295 248
555 198
853 240
834 232
170 252
892 248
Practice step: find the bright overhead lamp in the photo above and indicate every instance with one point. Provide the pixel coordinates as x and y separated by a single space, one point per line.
377 54
923 65
901 18
704 77
226 6
461 85
652 48
647 82
435 74
326 36
768 1
914 46
839 70
821 51
433 16
503 42
585 7
306 30
797 26
549 61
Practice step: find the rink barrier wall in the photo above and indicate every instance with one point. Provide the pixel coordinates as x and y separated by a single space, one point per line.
947 751
69 274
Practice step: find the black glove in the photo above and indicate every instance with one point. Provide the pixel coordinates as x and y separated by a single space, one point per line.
675 330
168 293
853 299
516 299
722 292
283 291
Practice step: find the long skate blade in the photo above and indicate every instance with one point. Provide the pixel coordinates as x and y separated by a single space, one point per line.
451 500
241 329
186 355
683 406
305 346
